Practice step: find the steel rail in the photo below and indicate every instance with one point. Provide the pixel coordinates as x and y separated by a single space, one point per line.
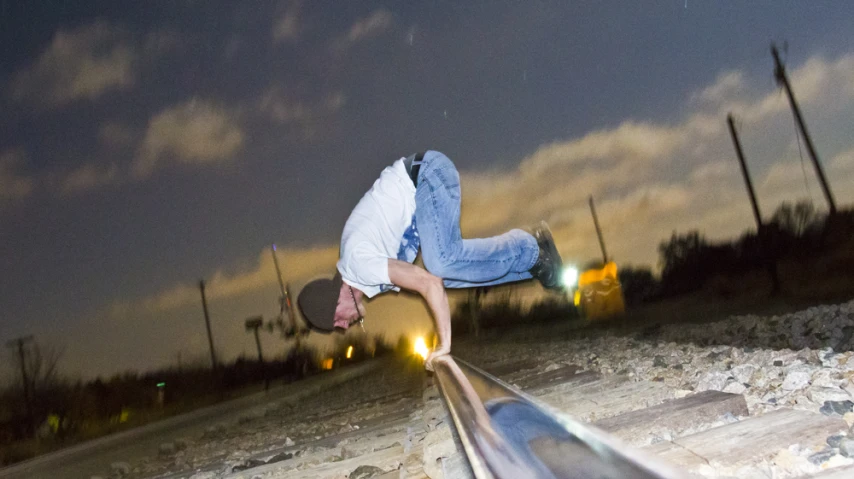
508 434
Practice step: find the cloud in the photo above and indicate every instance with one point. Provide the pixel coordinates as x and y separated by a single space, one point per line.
285 109
727 85
299 266
375 24
650 179
196 132
83 63
810 82
13 185
89 176
288 27
116 135
843 161
793 178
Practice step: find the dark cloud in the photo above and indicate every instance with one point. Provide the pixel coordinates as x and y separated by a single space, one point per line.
287 28
14 185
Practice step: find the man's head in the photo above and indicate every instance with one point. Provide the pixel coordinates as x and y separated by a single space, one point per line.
349 308
329 304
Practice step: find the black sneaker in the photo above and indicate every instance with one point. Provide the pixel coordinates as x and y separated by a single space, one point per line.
549 267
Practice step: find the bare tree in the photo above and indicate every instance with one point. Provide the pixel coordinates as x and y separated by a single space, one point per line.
795 219
474 300
38 377
42 366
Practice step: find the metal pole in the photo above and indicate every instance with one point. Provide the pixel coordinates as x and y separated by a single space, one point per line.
780 75
598 231
208 323
19 344
744 171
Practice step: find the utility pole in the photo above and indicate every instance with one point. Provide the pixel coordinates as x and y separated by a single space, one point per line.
19 343
780 75
598 231
285 305
252 324
208 323
278 273
744 171
770 263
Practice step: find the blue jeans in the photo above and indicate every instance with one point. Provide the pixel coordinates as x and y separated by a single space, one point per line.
463 263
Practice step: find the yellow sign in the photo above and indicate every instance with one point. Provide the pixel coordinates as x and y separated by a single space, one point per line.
599 293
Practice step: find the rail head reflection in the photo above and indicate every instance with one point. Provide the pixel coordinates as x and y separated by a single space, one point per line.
508 434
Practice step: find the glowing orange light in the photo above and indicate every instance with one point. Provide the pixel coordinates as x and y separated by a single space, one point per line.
421 348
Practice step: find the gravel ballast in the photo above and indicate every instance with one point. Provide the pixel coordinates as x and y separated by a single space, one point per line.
802 360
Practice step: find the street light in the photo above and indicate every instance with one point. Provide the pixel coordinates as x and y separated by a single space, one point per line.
570 276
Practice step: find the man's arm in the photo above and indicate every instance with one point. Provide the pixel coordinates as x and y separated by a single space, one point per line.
430 287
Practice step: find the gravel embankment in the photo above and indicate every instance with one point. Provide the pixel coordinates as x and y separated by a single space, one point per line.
230 446
802 360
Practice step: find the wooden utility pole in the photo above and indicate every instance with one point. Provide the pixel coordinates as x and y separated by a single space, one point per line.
780 75
18 343
598 231
744 172
278 272
253 324
286 306
208 323
761 231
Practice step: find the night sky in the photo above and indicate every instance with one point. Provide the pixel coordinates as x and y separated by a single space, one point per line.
146 145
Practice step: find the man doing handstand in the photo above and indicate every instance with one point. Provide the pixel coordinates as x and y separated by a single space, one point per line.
415 204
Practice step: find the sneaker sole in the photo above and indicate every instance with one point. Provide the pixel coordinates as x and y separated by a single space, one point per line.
552 249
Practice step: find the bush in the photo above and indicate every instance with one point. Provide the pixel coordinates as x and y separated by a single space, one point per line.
504 312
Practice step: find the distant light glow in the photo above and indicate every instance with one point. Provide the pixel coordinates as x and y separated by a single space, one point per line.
326 364
349 352
161 385
421 348
570 276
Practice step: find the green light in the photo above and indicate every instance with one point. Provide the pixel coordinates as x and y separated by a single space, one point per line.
160 385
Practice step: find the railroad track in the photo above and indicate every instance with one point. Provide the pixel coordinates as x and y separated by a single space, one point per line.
707 434
509 434
639 429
